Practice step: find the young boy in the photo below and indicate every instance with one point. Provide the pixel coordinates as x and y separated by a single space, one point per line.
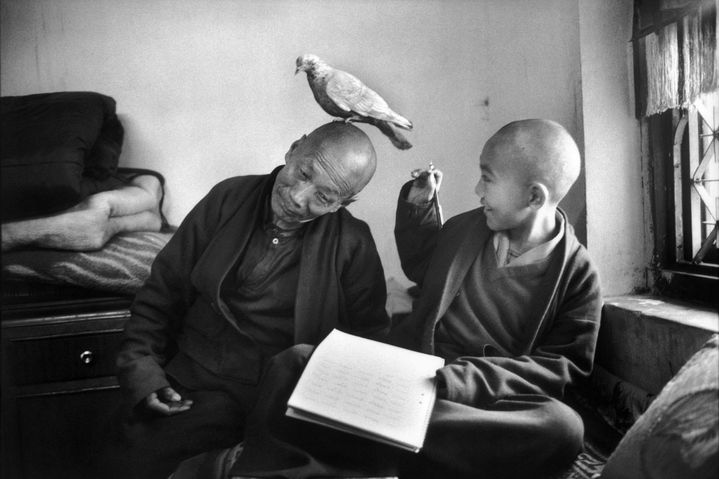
509 298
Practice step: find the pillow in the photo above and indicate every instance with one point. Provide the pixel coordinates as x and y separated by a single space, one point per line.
57 148
121 266
678 435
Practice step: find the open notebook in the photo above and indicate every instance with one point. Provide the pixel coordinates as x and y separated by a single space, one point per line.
368 388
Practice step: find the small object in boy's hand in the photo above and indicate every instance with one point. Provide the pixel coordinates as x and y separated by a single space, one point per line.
422 175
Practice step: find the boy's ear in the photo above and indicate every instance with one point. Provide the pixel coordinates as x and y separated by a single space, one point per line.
538 195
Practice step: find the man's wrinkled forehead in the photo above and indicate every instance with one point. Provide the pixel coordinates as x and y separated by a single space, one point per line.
335 166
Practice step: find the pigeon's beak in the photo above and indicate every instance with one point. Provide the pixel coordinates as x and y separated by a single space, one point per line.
297 70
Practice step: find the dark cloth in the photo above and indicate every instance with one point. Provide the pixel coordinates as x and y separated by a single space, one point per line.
261 292
518 437
555 345
558 339
57 149
279 446
496 415
183 330
490 308
341 285
147 446
209 465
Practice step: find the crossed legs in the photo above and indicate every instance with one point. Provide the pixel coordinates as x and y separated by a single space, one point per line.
517 437
520 436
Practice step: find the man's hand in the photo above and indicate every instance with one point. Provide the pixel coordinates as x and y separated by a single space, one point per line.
167 401
425 186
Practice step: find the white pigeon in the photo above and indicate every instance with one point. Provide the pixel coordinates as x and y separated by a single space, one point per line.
343 95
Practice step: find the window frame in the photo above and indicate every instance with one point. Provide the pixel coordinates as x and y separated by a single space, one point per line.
671 276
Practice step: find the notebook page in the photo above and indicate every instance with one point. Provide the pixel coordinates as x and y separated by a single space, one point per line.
369 385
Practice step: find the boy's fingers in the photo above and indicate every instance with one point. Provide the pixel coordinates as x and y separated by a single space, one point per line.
438 178
423 173
425 185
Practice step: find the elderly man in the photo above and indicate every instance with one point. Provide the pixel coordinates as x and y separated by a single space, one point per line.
260 264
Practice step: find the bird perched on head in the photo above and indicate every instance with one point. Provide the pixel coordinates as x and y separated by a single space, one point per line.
343 95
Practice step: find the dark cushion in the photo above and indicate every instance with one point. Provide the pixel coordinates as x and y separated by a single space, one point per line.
56 149
678 435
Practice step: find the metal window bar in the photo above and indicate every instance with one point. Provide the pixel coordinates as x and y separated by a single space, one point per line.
696 181
678 187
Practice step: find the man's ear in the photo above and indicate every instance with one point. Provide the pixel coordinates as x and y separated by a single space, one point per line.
349 200
538 195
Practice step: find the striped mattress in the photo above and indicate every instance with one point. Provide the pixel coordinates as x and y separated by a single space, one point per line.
121 266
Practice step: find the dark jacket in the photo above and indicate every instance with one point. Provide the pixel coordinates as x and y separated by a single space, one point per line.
341 285
560 338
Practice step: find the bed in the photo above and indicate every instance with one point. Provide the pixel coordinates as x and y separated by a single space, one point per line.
63 310
59 149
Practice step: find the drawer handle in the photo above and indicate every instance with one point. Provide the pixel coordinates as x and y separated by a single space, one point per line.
87 357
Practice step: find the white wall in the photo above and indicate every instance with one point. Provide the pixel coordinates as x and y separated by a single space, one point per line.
615 215
206 89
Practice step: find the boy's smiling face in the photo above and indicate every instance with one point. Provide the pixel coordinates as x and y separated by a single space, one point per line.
501 190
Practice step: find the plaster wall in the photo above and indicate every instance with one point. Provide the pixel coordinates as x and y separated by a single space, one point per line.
206 90
612 147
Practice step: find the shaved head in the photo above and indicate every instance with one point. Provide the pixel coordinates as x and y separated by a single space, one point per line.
539 151
323 172
346 152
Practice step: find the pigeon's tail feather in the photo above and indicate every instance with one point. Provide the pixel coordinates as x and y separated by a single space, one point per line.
390 132
401 121
394 136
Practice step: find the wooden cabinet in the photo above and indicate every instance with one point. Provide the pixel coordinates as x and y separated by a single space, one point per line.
58 384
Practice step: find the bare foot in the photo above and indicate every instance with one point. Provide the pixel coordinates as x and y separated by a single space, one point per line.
90 224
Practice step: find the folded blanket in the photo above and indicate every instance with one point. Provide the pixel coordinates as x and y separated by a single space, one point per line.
57 149
121 266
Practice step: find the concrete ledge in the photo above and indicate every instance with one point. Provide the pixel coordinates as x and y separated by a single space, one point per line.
645 340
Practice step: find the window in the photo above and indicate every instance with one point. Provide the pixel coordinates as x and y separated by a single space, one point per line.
696 185
676 80
683 174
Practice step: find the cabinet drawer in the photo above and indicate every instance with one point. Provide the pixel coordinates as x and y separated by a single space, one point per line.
64 358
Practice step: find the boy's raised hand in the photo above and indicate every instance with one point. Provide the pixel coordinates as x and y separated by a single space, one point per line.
425 186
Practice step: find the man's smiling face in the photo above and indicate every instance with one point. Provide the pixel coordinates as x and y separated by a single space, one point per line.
306 189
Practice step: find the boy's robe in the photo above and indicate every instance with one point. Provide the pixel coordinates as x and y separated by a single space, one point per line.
558 343
495 416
